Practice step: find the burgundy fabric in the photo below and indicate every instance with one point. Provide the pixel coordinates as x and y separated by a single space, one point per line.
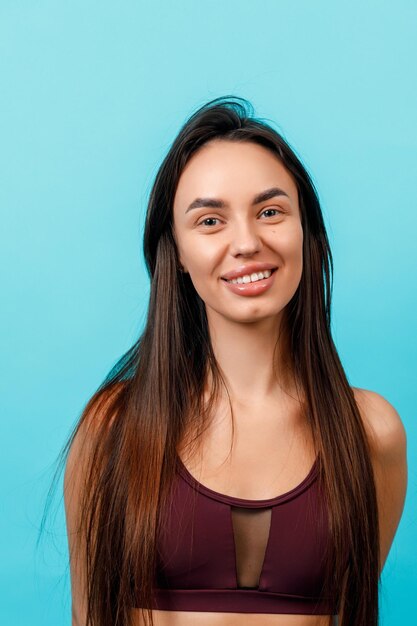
201 551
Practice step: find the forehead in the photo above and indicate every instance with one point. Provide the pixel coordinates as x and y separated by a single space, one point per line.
233 171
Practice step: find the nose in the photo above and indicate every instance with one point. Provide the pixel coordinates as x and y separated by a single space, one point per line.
245 241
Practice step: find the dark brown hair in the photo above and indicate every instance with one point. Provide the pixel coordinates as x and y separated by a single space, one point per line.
153 397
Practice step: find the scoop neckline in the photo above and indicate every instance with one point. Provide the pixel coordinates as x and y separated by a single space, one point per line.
228 499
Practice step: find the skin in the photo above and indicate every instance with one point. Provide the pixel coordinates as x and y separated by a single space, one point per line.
239 234
271 455
273 449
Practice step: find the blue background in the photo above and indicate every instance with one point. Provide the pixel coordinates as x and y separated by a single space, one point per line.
91 95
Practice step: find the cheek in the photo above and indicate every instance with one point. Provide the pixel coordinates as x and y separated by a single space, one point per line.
298 250
204 287
296 255
199 266
202 257
203 268
288 243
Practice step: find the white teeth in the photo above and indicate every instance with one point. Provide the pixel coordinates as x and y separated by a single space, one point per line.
251 278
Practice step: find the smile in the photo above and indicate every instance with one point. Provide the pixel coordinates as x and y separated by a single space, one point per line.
251 284
250 278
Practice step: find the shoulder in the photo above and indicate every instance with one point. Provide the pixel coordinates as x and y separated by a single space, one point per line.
388 446
96 418
383 425
99 412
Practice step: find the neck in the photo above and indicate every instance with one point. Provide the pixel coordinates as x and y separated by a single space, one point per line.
253 358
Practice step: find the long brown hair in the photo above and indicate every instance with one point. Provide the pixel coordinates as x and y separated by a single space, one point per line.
154 396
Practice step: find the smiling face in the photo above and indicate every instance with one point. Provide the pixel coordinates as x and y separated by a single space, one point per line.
236 205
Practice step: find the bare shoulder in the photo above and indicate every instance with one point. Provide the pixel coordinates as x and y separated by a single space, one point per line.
388 443
383 425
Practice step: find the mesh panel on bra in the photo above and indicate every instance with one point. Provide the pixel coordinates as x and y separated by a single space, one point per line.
251 531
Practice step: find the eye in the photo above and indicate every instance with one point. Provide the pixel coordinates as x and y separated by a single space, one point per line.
207 219
279 211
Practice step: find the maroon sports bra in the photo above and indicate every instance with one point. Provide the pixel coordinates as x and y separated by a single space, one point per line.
226 554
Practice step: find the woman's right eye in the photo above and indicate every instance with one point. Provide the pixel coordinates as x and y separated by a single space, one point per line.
207 219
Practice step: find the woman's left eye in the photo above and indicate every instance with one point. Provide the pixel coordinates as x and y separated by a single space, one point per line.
271 210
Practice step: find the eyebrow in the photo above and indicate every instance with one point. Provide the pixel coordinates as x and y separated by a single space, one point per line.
215 203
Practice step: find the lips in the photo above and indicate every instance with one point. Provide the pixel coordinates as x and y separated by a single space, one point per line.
251 288
249 269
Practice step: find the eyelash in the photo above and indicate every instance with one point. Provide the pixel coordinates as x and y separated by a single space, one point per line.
216 218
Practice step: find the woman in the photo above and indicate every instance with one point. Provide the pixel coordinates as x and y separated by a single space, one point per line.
225 472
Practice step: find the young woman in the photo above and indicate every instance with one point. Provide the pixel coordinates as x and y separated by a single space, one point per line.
225 472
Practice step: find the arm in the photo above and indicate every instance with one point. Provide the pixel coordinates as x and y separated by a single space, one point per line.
387 438
76 472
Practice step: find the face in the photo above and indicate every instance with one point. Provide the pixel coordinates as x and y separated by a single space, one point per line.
223 224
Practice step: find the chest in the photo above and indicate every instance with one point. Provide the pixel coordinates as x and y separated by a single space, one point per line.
246 530
209 541
272 453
